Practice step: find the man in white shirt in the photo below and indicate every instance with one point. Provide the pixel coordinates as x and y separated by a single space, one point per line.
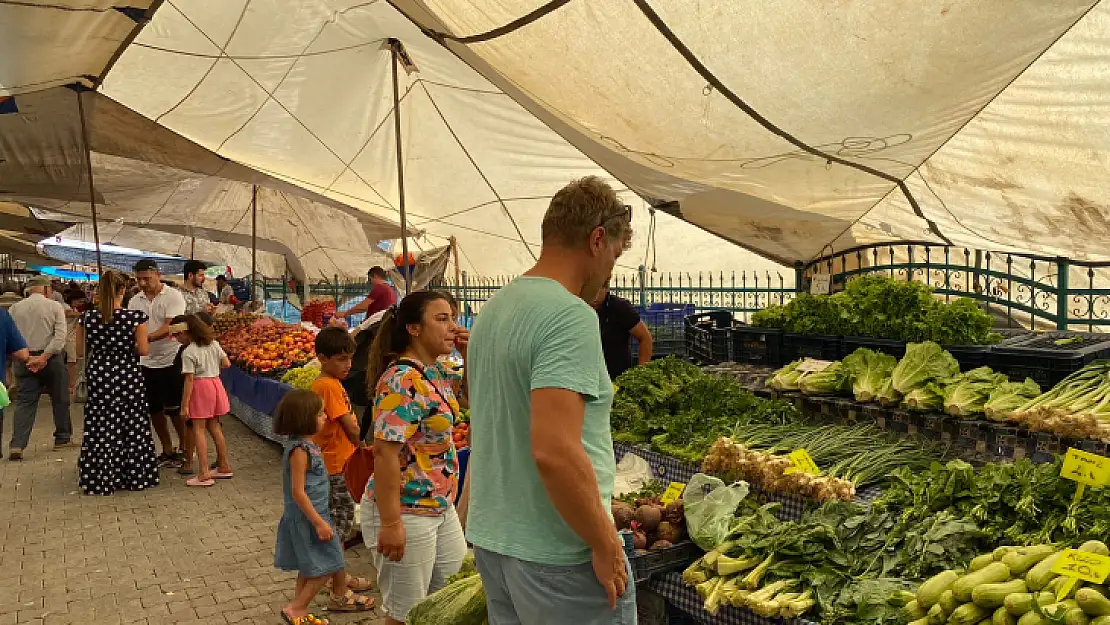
42 322
162 366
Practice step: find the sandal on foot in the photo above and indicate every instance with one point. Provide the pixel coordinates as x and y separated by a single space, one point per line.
350 602
359 584
219 475
307 619
196 481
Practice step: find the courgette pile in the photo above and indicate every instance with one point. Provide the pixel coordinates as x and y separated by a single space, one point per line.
1010 586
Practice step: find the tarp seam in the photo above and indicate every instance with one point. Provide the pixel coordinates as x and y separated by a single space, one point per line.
705 73
917 168
519 22
140 24
479 170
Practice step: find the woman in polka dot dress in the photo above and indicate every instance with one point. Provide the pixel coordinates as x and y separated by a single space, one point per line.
117 451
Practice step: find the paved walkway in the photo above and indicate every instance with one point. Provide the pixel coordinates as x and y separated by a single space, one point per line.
172 554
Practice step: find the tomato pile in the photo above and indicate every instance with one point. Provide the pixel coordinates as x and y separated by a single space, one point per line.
315 310
270 349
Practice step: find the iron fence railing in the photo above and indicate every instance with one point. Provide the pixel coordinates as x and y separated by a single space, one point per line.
1021 290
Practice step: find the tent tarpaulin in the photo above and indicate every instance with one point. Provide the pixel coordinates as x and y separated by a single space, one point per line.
793 126
148 177
302 90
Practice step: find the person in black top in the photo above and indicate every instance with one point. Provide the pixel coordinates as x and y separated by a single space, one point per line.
620 323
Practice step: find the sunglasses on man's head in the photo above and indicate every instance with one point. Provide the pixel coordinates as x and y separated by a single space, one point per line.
627 211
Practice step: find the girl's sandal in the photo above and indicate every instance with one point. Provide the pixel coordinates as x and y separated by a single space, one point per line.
359 584
307 619
350 602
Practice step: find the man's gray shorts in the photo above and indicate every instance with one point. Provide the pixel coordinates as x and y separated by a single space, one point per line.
527 593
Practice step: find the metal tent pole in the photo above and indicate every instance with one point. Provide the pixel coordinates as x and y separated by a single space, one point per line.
395 51
92 191
254 237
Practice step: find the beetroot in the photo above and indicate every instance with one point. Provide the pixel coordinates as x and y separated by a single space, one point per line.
669 532
623 515
675 512
639 539
650 517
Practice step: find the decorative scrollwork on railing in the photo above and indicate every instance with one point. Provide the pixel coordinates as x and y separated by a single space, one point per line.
1044 300
1094 307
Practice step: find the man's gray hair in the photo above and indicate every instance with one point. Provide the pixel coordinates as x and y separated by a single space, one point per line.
580 207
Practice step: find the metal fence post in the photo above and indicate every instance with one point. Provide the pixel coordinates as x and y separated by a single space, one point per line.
642 276
464 294
799 275
1062 270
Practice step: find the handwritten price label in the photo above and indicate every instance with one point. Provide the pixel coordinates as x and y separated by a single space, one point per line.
1086 468
812 365
803 462
673 492
1080 565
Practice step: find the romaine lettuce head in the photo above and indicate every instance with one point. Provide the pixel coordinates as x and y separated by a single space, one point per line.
833 380
928 398
869 371
968 396
923 363
1007 397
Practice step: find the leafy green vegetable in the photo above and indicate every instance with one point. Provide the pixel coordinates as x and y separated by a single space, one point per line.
928 398
833 380
1008 397
969 395
923 363
870 371
882 307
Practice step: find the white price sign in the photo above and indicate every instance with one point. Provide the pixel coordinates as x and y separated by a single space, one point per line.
820 284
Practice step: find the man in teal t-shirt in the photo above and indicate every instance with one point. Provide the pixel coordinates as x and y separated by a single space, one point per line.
541 466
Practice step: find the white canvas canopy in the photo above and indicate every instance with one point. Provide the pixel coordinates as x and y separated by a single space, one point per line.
791 126
303 91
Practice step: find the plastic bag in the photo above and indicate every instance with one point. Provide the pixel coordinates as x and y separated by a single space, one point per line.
633 472
711 509
4 401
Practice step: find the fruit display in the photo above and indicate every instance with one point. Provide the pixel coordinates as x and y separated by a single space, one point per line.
269 349
316 309
654 525
301 377
225 322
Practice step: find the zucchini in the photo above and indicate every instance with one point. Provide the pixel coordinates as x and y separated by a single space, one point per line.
1100 620
1018 604
929 593
936 615
1057 612
900 598
948 602
1002 616
993 595
1095 546
1041 574
1023 559
980 561
912 611
921 621
990 574
1093 602
1032 618
968 614
999 553
1058 582
1076 616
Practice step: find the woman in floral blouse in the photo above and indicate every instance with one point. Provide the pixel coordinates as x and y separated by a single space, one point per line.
408 518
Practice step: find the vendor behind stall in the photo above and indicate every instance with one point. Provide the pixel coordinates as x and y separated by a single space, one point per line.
620 322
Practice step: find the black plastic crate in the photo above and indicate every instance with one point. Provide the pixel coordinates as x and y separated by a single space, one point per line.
709 337
1040 358
761 346
819 347
893 347
969 356
646 564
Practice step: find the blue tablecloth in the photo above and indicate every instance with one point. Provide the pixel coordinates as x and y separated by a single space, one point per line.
261 394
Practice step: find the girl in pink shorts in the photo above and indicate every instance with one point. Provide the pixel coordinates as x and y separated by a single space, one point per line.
204 399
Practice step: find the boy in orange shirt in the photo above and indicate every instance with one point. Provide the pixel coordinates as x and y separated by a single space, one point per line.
338 438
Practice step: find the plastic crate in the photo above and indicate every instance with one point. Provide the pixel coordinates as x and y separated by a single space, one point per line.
1039 357
894 347
761 346
646 564
709 337
796 346
969 356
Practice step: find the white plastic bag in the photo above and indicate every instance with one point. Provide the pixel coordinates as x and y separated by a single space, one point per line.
711 509
633 472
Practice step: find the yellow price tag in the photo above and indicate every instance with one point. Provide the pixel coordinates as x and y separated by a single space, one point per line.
1086 468
802 462
1080 565
673 492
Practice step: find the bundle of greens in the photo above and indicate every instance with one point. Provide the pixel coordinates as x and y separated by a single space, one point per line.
969 394
870 370
882 307
923 363
849 457
832 380
1078 407
1007 397
645 392
786 378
